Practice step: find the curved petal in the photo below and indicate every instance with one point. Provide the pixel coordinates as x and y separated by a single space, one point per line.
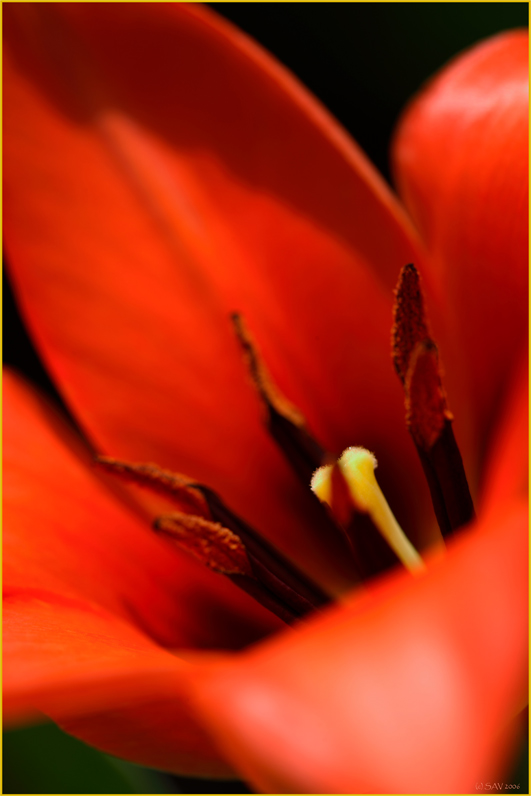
461 156
162 171
423 674
102 680
65 533
91 598
507 475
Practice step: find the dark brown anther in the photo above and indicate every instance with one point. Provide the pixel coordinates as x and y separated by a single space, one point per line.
428 418
221 550
426 407
211 532
409 326
287 425
270 567
172 485
285 422
213 545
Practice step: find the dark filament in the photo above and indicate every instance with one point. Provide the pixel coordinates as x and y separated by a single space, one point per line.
428 418
207 528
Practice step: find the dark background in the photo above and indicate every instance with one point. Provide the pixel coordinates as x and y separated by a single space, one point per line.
363 61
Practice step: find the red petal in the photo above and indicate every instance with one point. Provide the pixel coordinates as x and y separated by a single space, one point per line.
92 598
102 680
161 171
65 533
408 689
507 476
461 160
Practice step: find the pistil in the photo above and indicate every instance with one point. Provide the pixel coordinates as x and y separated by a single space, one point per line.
356 466
208 529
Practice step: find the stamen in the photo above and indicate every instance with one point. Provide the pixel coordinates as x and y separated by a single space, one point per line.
209 530
285 422
287 425
222 551
426 407
213 545
269 566
409 319
177 487
428 418
357 468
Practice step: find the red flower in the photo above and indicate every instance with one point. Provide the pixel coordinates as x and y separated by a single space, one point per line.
160 172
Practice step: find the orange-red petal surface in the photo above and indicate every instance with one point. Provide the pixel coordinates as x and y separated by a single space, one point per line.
507 475
160 172
102 680
65 533
92 599
409 689
461 156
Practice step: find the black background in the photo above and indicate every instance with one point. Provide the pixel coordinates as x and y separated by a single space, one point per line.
363 61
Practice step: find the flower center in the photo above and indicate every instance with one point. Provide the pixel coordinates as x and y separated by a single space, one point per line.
350 487
349 500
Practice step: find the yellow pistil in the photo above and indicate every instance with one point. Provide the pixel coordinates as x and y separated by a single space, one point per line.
357 467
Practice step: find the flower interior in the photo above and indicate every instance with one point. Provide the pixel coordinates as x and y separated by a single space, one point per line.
348 499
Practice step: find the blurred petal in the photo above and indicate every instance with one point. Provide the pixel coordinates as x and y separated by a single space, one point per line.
461 156
408 689
98 676
507 475
155 186
65 533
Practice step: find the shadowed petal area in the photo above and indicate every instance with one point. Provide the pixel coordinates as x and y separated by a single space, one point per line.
65 533
161 172
423 674
100 679
461 156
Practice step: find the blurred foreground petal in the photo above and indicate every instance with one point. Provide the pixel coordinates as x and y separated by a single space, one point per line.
102 680
410 689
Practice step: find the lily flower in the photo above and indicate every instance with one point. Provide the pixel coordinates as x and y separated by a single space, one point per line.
161 173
